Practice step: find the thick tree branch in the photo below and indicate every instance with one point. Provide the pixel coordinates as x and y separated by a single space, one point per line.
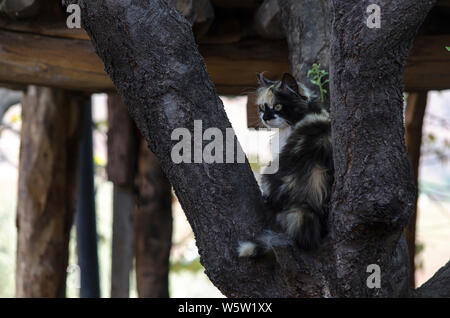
150 54
371 204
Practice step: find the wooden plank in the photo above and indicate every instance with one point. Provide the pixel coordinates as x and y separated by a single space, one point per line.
428 64
72 63
48 61
233 67
49 28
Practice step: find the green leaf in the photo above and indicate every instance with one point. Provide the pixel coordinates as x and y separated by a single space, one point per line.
448 48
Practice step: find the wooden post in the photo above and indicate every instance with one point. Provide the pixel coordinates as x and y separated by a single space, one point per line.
85 217
122 153
415 111
47 191
134 169
152 226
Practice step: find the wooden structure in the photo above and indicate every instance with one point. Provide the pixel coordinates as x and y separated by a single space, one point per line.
41 50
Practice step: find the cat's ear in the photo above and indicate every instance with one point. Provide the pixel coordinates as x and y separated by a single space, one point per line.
289 84
265 82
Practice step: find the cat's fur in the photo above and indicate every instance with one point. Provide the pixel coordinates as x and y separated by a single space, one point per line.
297 195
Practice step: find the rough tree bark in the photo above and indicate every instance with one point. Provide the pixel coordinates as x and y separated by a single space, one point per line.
47 191
152 217
166 86
374 190
308 42
415 111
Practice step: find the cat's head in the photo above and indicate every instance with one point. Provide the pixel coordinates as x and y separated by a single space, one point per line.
282 103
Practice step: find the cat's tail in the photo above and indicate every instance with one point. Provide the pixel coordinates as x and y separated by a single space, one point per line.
263 244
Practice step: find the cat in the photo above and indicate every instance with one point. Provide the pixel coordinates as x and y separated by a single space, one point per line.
297 195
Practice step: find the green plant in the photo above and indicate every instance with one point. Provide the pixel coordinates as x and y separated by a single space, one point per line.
318 79
448 48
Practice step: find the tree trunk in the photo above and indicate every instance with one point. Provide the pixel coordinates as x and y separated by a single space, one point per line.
374 191
122 154
152 226
415 111
166 86
47 191
308 42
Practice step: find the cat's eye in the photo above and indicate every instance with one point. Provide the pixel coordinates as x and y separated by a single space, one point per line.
278 107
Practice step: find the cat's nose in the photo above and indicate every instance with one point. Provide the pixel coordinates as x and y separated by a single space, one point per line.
268 116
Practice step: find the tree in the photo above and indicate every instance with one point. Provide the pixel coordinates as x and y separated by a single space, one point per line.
150 54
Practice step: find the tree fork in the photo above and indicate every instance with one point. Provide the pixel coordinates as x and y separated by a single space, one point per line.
166 86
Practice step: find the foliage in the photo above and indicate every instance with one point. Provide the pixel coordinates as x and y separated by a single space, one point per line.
191 266
318 79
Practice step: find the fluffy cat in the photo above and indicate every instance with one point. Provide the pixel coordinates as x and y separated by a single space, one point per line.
297 195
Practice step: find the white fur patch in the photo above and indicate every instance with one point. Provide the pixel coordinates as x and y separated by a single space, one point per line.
317 186
276 122
265 96
291 221
279 140
246 249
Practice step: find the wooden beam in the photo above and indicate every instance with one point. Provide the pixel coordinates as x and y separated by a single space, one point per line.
28 58
20 8
428 64
44 60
